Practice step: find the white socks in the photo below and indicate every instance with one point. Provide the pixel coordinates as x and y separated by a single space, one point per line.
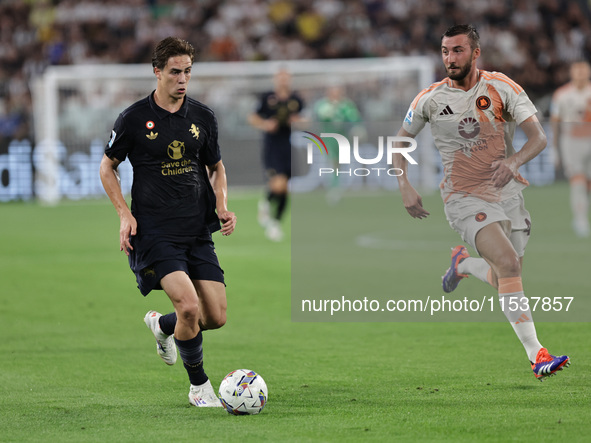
512 301
516 308
478 267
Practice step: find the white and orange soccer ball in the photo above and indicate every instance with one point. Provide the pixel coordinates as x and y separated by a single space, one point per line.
243 392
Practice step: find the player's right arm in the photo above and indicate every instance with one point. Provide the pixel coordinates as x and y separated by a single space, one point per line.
262 118
413 123
110 180
411 199
263 124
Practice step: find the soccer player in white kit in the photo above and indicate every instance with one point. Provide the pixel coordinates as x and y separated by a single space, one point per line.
473 114
571 124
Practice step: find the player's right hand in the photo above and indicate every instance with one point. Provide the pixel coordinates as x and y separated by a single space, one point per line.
228 220
413 202
127 229
270 125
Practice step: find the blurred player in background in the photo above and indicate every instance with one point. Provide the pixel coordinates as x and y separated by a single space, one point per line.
473 115
276 112
571 124
338 114
179 183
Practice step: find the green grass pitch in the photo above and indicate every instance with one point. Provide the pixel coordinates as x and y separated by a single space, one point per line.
77 363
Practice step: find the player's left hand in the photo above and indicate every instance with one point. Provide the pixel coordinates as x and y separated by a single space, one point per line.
504 171
228 220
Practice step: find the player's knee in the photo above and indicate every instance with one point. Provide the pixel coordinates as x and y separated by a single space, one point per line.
188 312
278 184
214 322
219 321
509 265
278 189
578 180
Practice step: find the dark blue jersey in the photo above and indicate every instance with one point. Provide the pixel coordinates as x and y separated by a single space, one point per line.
171 193
271 106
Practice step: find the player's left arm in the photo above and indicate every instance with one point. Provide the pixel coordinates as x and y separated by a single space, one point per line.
507 169
219 183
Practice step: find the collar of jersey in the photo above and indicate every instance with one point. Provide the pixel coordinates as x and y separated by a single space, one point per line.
163 113
450 83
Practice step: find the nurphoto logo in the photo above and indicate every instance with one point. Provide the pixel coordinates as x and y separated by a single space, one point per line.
388 146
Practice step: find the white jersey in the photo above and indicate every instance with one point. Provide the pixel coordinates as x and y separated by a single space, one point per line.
572 106
472 129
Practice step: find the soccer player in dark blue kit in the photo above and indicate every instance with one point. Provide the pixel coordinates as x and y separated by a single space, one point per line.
179 198
277 110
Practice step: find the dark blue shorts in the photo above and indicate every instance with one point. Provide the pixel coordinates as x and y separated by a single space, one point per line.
277 160
154 257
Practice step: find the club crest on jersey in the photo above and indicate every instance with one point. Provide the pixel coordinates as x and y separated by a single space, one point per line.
480 217
150 124
483 102
176 150
194 130
469 127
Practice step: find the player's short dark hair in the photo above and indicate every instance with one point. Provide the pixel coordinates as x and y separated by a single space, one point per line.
467 30
171 47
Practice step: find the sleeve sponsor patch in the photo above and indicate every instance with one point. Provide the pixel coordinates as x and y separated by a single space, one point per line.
113 135
408 118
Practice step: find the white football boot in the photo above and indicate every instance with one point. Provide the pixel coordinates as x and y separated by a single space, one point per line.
165 345
263 215
203 396
273 231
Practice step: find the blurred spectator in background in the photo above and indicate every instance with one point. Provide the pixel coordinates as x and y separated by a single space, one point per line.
336 113
532 41
571 124
276 112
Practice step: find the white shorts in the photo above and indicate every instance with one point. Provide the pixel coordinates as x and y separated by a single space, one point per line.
576 156
469 215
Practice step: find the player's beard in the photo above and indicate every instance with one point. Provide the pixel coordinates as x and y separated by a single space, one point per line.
464 70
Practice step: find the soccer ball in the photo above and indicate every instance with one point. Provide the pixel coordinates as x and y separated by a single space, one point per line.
243 392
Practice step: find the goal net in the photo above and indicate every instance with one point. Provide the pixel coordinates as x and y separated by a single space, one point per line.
75 108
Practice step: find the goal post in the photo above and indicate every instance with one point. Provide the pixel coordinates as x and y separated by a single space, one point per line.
75 108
